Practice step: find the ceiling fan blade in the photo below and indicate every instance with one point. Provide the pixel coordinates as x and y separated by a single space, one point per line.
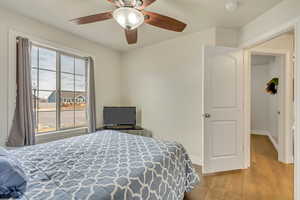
146 3
115 2
93 18
164 22
131 36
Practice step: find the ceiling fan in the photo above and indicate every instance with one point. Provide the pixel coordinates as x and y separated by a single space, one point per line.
130 14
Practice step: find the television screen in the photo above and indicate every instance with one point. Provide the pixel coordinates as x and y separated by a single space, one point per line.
119 116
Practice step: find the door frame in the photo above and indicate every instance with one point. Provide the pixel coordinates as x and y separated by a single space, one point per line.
292 24
297 114
284 141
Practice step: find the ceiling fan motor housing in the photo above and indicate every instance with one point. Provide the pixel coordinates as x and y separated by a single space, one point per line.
131 3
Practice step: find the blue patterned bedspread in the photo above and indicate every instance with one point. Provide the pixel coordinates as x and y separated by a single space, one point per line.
107 165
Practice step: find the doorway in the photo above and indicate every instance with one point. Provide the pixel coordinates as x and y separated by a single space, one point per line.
270 109
281 50
267 98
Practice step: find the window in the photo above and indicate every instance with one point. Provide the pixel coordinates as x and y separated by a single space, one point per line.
58 89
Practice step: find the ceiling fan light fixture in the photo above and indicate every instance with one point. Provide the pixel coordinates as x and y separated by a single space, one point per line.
232 5
129 18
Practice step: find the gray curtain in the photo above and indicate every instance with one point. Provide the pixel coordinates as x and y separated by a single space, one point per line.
91 96
22 130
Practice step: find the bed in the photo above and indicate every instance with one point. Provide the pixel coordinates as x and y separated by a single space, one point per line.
107 165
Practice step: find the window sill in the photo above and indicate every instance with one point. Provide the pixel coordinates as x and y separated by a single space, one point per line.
58 135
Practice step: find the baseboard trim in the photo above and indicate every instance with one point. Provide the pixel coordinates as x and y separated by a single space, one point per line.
196 160
260 132
273 142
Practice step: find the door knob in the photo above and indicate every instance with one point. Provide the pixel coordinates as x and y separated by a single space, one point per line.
206 115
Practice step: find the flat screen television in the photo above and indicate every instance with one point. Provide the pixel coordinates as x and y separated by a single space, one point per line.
115 116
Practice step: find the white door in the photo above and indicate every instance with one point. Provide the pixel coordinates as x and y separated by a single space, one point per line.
223 113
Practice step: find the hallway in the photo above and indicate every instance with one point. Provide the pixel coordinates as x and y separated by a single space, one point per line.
267 179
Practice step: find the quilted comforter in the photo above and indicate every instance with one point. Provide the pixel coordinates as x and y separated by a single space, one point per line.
107 165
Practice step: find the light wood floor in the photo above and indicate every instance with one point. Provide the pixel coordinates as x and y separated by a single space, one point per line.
267 179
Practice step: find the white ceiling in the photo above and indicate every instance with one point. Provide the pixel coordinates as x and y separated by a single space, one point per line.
198 14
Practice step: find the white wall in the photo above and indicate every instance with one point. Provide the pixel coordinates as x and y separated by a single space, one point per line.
277 17
226 37
259 99
165 82
107 66
283 42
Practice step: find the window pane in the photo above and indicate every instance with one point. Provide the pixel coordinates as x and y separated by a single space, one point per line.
80 83
47 80
80 100
44 90
46 121
47 101
47 59
34 56
67 119
67 82
67 64
34 78
80 118
80 66
67 100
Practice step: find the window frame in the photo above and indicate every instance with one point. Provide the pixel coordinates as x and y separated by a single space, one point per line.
58 72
